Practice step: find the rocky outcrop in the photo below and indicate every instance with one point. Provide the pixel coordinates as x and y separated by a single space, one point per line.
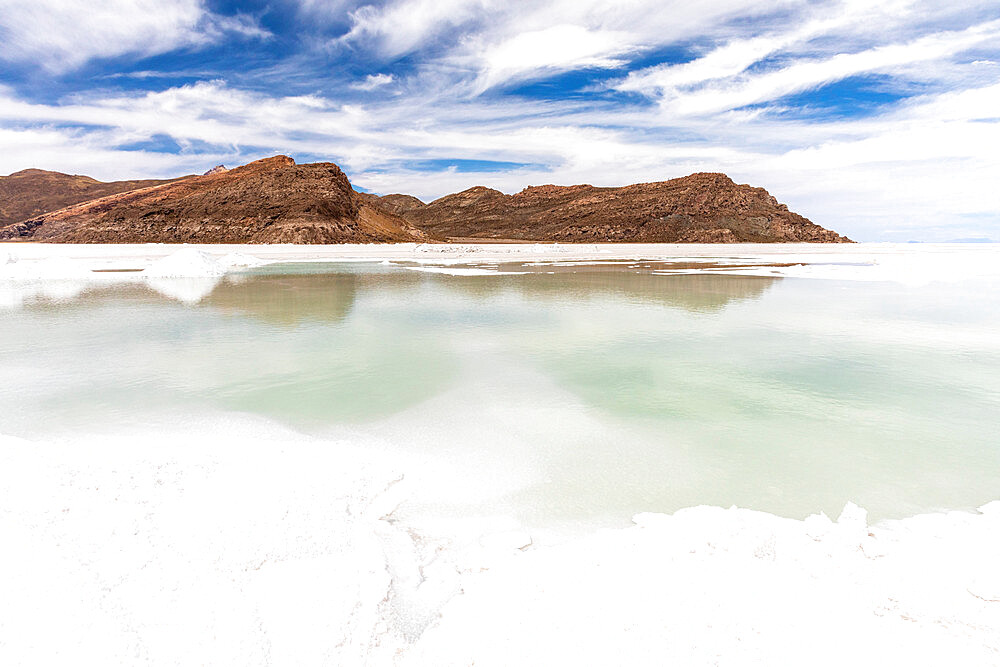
401 204
268 201
217 169
29 193
700 208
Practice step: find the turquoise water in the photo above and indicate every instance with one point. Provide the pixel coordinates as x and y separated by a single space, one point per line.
594 391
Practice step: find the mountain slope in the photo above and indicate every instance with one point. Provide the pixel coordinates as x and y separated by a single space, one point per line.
401 204
268 201
700 208
32 192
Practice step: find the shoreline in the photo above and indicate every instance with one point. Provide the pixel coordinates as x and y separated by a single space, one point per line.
913 264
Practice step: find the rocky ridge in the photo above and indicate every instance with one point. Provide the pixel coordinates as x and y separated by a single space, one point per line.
268 201
276 200
700 208
31 192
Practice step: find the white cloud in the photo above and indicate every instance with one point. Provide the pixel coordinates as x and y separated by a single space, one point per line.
63 34
373 81
735 56
488 41
558 48
89 153
402 27
812 74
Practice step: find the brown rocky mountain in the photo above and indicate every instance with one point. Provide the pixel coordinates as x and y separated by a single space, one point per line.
269 201
401 204
31 192
277 201
700 208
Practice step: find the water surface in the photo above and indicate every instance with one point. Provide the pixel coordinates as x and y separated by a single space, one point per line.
574 393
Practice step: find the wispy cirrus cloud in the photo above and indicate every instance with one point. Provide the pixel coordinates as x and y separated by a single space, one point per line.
555 49
490 42
63 34
397 28
705 87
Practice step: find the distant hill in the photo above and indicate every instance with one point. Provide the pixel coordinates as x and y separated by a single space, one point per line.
268 201
700 208
32 192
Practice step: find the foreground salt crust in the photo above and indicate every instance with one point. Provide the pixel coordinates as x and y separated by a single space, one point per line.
243 543
715 586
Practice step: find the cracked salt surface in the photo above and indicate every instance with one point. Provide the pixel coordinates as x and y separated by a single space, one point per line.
261 547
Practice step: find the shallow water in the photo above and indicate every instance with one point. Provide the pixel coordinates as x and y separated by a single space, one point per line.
582 395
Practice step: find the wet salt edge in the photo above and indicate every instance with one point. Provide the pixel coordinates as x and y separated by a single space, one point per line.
903 263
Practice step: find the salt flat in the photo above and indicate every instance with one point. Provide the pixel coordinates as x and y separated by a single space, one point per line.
529 454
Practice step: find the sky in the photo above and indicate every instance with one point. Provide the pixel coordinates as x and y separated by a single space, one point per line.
880 120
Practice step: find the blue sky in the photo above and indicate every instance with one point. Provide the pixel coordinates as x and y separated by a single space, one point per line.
878 119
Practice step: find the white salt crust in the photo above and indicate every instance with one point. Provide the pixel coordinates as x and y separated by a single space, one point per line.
245 544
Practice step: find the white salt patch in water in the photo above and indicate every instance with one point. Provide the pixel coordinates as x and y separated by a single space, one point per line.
509 249
240 260
468 271
583 262
52 268
187 275
913 267
185 263
185 290
190 275
55 278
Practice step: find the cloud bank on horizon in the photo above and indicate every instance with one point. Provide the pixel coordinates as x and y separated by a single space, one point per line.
878 119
